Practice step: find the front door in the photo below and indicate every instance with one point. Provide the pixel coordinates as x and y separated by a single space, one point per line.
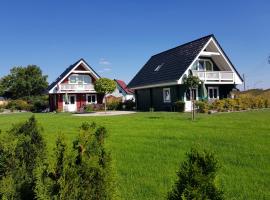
189 95
70 103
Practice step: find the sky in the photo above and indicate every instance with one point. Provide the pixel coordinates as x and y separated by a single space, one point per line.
118 37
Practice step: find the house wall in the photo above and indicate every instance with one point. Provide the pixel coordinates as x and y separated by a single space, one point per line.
153 97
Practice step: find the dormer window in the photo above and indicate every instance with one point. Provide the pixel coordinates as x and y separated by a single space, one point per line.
158 67
203 65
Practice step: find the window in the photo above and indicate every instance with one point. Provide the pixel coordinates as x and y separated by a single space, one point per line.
203 65
194 93
91 98
166 95
72 79
158 67
79 79
213 93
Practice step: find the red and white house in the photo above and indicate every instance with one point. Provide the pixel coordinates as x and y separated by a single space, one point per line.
74 88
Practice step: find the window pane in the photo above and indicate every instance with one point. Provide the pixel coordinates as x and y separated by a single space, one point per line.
87 79
194 94
208 66
188 95
210 93
72 79
89 99
80 79
215 93
201 65
166 95
93 98
72 100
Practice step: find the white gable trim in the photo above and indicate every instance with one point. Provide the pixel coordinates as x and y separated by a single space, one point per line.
85 65
192 63
238 79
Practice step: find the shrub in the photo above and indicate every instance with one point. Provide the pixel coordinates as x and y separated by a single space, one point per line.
196 178
83 172
19 155
129 105
203 106
219 105
89 108
114 105
18 105
179 106
38 103
98 107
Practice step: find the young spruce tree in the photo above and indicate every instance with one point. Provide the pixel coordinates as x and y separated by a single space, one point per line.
196 178
83 172
20 150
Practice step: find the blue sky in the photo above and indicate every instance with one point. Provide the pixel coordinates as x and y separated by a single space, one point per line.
117 37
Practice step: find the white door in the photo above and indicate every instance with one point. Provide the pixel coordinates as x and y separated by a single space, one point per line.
187 98
70 103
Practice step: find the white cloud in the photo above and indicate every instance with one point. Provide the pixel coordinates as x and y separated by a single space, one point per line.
103 61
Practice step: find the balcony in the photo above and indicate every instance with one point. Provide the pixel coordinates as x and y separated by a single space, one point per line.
76 87
215 76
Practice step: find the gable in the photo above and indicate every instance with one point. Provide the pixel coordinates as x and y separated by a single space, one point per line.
74 68
80 68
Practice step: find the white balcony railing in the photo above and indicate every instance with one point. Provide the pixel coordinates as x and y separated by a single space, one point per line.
215 76
76 87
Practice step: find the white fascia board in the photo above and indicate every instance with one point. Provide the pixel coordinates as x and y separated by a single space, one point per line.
209 54
155 85
187 70
51 91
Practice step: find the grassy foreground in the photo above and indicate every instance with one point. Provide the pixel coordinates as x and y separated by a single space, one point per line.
148 147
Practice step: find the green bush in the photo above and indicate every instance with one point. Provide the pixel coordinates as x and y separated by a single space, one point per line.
20 150
38 103
114 105
203 106
179 106
83 172
219 105
89 108
196 178
18 105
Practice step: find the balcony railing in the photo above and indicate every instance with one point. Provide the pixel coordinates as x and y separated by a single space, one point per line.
215 76
76 87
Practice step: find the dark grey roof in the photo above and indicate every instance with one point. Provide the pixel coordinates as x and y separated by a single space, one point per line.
174 63
67 70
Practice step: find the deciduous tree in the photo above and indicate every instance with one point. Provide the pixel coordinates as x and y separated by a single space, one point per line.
105 86
24 82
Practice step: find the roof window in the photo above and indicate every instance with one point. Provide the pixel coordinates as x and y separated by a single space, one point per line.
158 67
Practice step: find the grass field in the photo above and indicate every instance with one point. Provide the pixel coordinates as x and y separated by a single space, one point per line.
148 147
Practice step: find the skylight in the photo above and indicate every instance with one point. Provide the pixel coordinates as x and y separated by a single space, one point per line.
158 67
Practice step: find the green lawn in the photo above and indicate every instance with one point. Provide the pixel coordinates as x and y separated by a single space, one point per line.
148 147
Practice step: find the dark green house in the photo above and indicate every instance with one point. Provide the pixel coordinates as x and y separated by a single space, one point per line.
159 83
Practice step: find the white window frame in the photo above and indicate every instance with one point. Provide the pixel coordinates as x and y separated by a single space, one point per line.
76 75
87 95
197 93
213 88
164 95
204 65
